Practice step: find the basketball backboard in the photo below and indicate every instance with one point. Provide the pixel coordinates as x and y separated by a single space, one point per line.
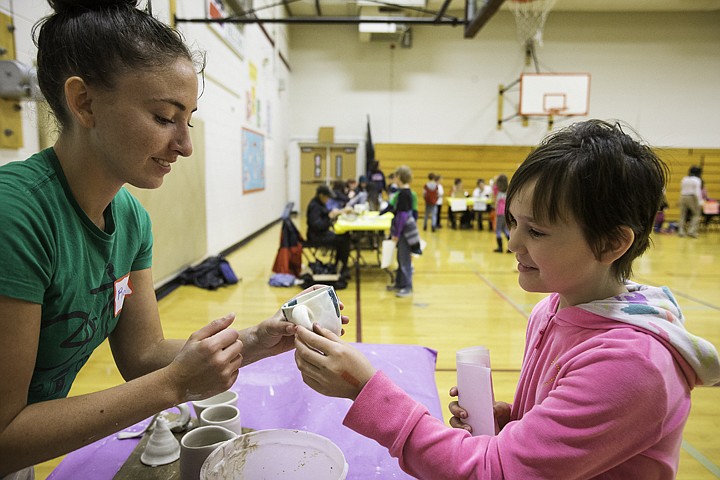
564 94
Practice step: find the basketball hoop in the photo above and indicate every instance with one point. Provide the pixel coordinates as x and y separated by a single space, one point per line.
530 16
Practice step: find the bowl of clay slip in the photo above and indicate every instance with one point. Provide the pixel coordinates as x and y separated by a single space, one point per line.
276 453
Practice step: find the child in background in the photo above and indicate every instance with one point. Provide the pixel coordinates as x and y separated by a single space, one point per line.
660 216
430 195
501 186
392 185
604 389
438 205
404 232
351 187
482 193
456 191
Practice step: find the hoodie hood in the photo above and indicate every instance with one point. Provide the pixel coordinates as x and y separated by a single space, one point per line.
655 310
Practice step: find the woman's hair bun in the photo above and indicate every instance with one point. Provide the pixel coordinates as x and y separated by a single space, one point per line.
61 6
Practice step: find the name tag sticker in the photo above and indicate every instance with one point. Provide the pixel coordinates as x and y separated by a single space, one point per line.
122 290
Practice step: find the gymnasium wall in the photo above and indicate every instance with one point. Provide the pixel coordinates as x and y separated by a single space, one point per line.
655 71
470 162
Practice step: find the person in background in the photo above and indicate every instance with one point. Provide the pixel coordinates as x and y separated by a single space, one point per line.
457 191
690 202
320 219
376 179
438 209
483 193
430 195
392 184
660 216
351 187
404 232
361 192
501 228
75 266
604 389
340 197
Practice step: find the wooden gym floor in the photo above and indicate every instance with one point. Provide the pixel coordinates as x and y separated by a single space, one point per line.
465 294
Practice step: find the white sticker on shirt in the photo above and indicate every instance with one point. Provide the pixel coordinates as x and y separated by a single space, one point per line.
122 290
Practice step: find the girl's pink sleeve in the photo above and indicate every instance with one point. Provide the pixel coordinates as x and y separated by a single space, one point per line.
385 413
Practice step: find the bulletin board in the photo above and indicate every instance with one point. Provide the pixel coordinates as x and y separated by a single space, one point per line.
253 161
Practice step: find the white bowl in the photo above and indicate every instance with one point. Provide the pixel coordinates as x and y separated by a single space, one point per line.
277 453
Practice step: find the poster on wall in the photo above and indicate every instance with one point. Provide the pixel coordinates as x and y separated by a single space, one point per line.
230 33
253 158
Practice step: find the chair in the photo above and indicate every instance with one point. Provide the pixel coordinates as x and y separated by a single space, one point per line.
287 211
318 252
711 214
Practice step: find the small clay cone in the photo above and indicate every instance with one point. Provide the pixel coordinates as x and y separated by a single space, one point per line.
162 446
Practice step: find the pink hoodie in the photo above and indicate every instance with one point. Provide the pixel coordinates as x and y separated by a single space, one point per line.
598 397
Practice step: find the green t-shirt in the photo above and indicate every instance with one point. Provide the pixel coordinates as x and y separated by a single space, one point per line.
394 197
53 255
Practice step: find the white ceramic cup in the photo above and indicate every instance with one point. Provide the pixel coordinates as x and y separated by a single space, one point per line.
196 445
228 397
475 390
319 306
227 416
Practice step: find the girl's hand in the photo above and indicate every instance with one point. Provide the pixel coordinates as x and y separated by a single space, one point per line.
459 414
501 411
330 366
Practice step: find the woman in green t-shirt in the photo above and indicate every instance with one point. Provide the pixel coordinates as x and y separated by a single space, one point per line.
76 256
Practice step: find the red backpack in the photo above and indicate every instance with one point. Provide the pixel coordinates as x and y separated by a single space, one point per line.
430 195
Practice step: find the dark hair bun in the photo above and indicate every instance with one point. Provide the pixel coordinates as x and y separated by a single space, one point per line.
61 6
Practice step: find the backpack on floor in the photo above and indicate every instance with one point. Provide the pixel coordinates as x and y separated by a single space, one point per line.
211 273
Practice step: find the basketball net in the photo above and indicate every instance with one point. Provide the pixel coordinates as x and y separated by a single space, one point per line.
530 16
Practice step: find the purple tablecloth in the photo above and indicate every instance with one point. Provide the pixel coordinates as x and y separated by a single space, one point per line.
273 395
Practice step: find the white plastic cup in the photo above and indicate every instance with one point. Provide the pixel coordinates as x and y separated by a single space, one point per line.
475 390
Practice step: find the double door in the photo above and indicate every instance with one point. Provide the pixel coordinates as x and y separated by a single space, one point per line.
324 164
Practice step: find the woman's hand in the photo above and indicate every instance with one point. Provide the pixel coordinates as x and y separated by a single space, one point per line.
330 366
501 411
208 363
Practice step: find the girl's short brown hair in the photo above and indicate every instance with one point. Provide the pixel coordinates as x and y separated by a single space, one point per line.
596 174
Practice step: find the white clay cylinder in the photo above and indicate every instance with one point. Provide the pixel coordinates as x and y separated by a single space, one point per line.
475 390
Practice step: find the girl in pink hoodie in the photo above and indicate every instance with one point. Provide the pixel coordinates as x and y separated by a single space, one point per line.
604 390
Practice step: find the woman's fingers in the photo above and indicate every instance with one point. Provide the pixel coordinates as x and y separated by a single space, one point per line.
213 327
